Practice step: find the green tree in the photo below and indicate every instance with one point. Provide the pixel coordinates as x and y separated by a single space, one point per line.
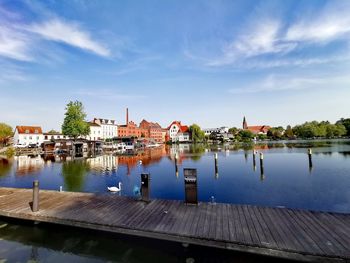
289 132
346 123
74 123
233 130
5 133
275 133
245 135
53 132
196 133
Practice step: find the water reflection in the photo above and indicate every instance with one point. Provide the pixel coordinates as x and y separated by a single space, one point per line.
236 176
29 164
5 166
23 242
73 174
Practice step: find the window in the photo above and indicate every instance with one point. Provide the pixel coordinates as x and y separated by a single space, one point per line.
37 138
30 137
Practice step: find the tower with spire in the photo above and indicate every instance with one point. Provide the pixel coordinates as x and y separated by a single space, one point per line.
245 125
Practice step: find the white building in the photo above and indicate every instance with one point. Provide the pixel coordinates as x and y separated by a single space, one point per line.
220 130
26 135
101 129
178 132
95 132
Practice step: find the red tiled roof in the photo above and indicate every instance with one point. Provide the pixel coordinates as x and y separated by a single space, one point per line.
29 129
257 129
184 128
177 123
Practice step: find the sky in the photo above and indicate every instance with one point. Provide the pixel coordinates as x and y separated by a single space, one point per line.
205 62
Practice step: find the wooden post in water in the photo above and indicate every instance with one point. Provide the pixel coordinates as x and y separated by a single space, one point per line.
262 177
145 186
190 176
310 157
35 204
254 161
176 167
216 166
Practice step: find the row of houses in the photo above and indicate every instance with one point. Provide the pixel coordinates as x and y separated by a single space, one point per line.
102 129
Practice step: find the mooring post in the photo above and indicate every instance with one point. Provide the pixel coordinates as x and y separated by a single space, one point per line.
216 165
176 167
262 177
190 177
310 157
145 186
35 204
254 161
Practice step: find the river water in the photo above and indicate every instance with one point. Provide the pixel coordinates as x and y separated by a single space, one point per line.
287 180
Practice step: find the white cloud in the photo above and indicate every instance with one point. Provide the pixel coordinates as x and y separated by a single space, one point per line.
14 44
332 23
270 36
69 33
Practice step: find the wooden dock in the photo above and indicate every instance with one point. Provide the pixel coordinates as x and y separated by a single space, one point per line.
279 232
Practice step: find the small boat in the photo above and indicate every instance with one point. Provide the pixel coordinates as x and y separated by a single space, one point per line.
115 188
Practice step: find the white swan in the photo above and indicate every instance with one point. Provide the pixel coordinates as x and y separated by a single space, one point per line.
115 189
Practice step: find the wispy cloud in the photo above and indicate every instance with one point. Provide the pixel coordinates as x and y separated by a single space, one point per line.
70 33
108 94
14 44
24 41
276 38
273 83
332 23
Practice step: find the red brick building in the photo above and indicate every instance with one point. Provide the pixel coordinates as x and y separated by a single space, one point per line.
152 130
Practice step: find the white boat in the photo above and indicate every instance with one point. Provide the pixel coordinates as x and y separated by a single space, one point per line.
129 146
152 145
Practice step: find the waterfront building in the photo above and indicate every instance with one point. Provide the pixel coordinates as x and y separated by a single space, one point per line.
220 130
26 135
95 132
263 129
130 129
108 128
51 136
178 132
152 130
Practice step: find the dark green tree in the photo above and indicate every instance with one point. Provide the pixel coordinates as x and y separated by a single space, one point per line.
346 123
196 133
74 123
245 135
74 174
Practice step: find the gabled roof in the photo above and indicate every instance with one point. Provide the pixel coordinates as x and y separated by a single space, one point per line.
184 128
177 123
29 129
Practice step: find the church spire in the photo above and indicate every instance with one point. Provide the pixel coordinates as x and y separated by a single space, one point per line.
245 125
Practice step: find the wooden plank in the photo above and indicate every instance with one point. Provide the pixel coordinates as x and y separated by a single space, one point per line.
252 227
288 233
312 232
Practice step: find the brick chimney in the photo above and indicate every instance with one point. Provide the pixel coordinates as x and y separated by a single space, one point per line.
127 116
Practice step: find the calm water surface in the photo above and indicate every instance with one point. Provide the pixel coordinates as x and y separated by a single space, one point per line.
287 179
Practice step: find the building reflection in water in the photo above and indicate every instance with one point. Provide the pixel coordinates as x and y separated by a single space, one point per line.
29 164
103 163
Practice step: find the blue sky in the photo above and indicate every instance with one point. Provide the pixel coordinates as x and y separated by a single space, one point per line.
209 62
